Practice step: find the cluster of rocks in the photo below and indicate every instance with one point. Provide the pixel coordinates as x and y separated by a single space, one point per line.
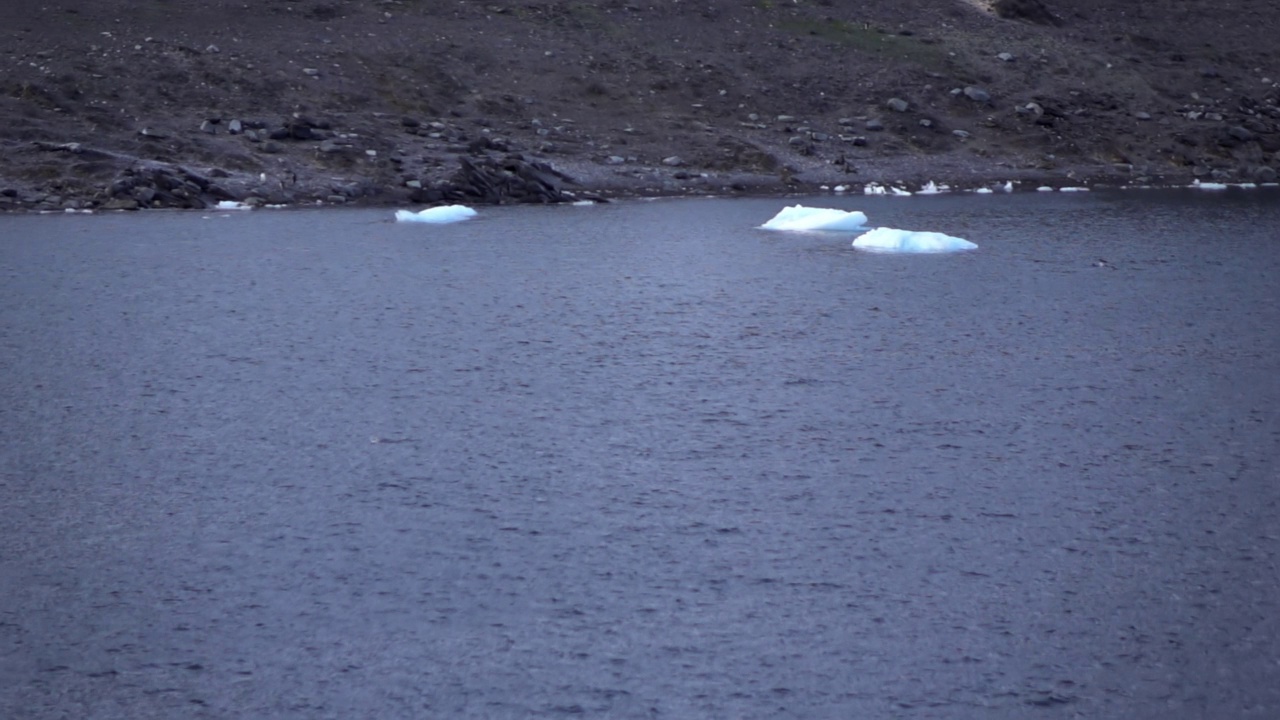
504 180
163 186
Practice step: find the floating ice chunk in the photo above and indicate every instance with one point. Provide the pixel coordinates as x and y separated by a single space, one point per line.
899 192
1073 189
799 217
1044 188
1007 186
931 188
983 191
437 215
840 188
583 203
232 205
874 189
908 241
1208 185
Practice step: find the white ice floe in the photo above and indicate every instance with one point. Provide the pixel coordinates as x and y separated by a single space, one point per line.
232 205
1007 186
983 191
874 188
799 217
437 215
1073 189
840 188
931 188
908 241
1208 185
1044 188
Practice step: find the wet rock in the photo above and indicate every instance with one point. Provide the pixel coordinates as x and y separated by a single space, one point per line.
976 94
897 104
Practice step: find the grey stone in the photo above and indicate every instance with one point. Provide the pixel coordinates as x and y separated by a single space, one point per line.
1240 133
859 141
977 94
208 127
615 160
673 161
1007 57
1264 174
1142 115
874 125
926 123
235 127
152 133
120 204
960 133
272 147
897 104
796 141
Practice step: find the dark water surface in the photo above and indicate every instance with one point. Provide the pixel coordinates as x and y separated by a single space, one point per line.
644 461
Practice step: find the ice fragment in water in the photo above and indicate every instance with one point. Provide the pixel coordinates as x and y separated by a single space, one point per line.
909 241
799 217
437 215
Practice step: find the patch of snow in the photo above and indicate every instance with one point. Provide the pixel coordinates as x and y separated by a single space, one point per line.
799 218
890 240
437 215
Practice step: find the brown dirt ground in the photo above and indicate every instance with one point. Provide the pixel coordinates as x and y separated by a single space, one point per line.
750 95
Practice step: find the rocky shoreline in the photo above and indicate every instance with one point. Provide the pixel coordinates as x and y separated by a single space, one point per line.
109 108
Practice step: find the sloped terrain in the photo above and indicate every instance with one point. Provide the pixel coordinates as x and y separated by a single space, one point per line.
156 103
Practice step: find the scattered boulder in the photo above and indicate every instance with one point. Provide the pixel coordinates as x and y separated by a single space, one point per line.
897 104
875 125
976 94
1032 11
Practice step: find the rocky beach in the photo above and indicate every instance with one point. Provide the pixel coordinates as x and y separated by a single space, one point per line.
160 104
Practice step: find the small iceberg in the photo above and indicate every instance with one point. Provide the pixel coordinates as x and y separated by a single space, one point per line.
932 188
801 218
437 215
889 240
233 205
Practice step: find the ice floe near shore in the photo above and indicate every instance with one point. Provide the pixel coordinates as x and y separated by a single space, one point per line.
801 218
437 215
910 241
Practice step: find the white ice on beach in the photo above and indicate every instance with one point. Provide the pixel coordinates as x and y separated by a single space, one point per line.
233 205
874 188
1208 185
932 188
984 191
799 217
909 241
437 215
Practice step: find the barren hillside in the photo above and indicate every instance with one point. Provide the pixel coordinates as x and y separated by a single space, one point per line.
156 103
